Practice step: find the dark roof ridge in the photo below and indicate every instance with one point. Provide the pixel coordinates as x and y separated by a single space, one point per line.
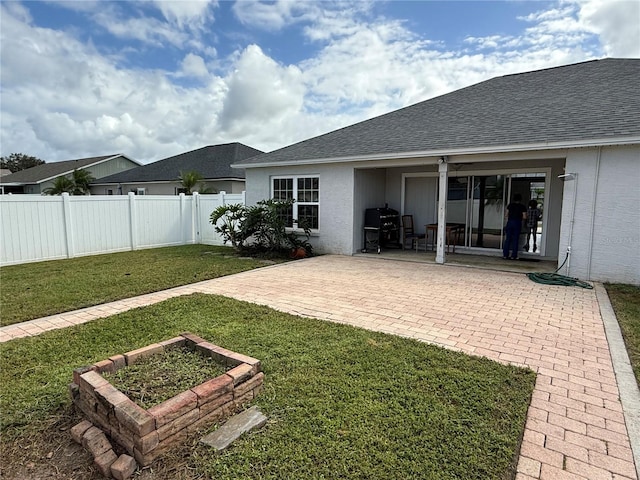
549 68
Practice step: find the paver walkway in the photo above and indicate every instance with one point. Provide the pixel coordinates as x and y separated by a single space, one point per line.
575 424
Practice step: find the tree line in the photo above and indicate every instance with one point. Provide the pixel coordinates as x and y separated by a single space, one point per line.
19 161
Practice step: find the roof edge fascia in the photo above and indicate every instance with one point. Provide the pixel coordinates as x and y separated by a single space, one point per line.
455 151
91 165
222 179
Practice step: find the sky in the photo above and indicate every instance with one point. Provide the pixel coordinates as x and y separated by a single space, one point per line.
151 79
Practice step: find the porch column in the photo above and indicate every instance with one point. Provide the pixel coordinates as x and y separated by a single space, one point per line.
443 169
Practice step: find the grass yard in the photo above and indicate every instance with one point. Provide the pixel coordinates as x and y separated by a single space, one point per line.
625 300
342 402
40 289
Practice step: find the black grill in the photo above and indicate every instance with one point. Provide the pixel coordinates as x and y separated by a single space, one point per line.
381 229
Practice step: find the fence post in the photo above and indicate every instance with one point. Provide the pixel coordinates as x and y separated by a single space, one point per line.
197 223
68 224
133 221
222 199
183 233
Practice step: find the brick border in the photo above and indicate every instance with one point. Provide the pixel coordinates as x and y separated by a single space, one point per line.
147 434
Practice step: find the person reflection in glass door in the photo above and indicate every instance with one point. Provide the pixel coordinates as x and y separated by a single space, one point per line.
516 213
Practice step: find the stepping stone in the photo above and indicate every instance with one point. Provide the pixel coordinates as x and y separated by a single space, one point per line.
234 427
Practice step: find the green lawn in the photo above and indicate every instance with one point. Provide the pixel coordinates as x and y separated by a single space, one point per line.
36 290
625 300
342 402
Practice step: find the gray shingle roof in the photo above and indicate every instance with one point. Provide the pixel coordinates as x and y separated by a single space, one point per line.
575 103
212 162
48 170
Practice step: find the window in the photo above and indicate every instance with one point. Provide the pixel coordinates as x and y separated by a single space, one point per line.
306 193
141 191
180 190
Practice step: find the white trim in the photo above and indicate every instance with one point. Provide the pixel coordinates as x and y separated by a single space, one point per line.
450 152
135 182
294 179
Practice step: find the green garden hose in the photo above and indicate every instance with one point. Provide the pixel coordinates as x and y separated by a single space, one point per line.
555 278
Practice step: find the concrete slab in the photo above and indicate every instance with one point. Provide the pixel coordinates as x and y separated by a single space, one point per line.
235 427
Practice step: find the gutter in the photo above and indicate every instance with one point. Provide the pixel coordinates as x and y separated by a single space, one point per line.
449 152
223 179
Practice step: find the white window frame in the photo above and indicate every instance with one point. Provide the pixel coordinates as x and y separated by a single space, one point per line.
141 191
295 179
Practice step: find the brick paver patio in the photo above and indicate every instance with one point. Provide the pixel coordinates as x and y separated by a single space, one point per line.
575 425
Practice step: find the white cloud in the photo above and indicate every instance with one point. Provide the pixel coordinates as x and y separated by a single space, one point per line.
187 13
148 30
193 66
270 16
261 94
62 98
616 22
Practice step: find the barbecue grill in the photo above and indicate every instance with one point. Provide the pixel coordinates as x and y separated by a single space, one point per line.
381 229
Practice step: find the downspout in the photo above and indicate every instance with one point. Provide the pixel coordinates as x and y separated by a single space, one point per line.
593 210
574 177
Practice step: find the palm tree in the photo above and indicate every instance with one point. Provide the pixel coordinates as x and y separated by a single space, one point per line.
189 180
81 180
60 185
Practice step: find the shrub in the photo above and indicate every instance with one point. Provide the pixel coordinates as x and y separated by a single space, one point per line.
262 227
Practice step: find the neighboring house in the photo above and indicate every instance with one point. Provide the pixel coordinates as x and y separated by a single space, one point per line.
163 177
36 179
567 136
4 172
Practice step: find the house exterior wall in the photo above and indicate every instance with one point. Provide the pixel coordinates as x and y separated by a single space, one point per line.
604 235
605 231
371 188
335 233
116 165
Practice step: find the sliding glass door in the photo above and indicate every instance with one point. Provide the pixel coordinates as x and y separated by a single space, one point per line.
478 203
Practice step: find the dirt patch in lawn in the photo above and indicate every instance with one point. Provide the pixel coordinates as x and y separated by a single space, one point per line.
45 451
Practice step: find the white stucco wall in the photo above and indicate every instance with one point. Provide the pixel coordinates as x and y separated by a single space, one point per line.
336 200
370 186
605 240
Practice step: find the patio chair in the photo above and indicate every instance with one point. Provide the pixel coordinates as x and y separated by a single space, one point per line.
408 233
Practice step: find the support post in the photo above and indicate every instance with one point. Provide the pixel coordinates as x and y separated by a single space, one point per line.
443 170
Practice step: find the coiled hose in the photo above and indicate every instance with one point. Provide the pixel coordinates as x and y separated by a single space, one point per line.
555 278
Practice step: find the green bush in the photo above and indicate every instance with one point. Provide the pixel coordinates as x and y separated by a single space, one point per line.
261 227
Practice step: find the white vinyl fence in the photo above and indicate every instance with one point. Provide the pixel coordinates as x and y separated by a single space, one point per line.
36 228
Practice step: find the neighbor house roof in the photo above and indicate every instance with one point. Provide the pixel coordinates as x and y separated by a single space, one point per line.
589 103
212 162
48 171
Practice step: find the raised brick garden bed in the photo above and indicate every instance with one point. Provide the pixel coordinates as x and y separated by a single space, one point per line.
147 434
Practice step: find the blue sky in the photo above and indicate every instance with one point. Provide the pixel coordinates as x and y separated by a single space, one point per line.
155 78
